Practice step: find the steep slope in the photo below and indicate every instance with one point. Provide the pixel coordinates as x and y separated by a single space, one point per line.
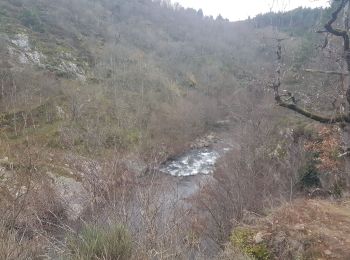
100 60
135 64
304 229
89 89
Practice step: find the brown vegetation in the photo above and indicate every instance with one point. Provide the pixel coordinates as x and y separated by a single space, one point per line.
122 85
309 229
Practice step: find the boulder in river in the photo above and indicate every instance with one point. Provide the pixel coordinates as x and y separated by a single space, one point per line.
205 142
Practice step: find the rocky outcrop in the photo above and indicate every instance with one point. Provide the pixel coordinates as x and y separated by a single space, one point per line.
136 166
205 141
71 193
24 52
21 50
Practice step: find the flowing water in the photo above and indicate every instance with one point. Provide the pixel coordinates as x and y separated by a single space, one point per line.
194 162
170 192
194 168
197 161
185 175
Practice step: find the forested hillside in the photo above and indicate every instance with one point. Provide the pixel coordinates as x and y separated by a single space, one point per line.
97 95
145 62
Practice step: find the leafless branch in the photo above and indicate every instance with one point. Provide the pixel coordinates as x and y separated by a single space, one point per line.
327 72
293 106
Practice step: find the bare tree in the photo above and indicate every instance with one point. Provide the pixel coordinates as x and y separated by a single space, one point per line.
286 99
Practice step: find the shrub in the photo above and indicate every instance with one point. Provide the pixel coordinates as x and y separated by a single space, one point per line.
309 175
338 188
31 19
3 14
242 239
95 242
17 3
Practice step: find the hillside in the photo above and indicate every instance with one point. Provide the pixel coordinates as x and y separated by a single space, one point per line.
310 229
150 72
140 78
97 95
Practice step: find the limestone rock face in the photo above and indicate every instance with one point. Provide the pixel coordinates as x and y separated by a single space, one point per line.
23 51
72 193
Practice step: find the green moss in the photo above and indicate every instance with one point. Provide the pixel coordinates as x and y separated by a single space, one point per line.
243 239
122 138
132 136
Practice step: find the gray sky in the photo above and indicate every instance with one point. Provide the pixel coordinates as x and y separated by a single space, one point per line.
241 9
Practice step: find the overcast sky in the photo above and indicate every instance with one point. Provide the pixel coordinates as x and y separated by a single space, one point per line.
241 9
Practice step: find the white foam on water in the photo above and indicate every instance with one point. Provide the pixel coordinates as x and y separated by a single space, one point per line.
192 163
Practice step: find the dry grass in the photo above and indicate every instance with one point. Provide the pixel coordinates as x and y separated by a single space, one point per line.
16 246
94 242
306 229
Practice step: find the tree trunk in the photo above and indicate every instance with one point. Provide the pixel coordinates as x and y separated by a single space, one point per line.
346 68
345 138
